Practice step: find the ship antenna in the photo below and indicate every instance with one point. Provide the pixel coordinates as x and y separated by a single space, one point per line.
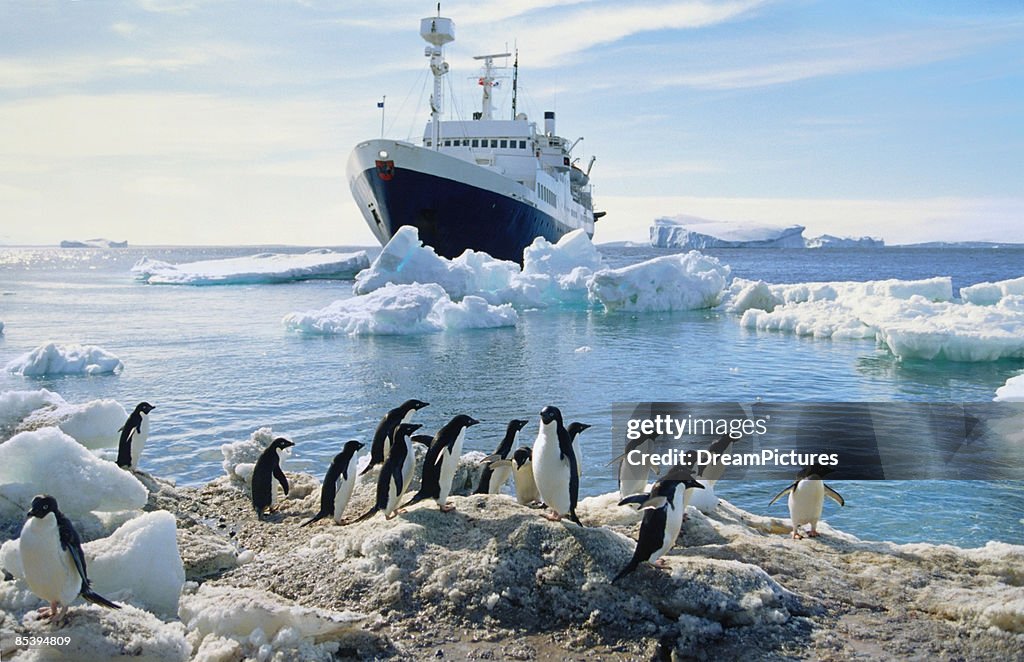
515 81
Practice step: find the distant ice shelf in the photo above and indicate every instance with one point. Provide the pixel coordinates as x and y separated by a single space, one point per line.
260 268
693 233
93 243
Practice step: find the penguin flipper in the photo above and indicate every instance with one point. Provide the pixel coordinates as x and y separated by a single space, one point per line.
835 496
72 544
281 478
635 498
782 493
92 596
655 502
124 449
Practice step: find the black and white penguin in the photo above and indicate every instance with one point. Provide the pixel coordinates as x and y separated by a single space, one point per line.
554 466
574 430
663 518
522 474
53 561
382 435
807 499
339 481
395 475
134 433
632 478
498 465
440 462
268 467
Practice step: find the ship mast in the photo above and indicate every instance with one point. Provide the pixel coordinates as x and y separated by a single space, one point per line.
437 31
487 82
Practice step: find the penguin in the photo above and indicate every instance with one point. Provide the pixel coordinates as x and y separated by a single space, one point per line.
807 499
268 467
522 473
53 561
663 518
574 429
632 478
708 475
394 477
382 435
338 483
134 433
554 466
440 462
497 467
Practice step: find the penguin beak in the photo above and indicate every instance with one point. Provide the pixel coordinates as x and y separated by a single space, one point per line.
694 484
471 422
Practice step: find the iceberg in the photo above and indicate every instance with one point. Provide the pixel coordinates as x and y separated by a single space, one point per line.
402 309
84 483
93 243
1012 390
261 268
831 241
552 274
691 232
913 319
54 359
987 294
95 424
687 281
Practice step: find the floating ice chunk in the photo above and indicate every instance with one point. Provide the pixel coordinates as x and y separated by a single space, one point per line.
1012 390
255 618
572 251
49 461
260 268
745 294
54 359
405 260
94 424
687 281
987 294
691 232
832 241
402 309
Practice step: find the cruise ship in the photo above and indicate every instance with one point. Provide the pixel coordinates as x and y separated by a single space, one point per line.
486 184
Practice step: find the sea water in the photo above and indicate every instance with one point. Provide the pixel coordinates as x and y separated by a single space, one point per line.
218 364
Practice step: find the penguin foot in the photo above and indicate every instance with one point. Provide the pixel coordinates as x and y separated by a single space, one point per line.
813 534
797 536
447 508
393 515
661 564
552 516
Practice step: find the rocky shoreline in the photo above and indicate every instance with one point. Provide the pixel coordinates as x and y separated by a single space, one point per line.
494 580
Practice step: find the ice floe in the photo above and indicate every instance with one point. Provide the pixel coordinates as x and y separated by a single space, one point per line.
73 359
402 309
260 268
93 243
988 294
691 232
687 281
1012 390
914 319
94 424
47 461
832 241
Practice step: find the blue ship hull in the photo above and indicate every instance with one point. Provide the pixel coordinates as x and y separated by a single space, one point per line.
452 216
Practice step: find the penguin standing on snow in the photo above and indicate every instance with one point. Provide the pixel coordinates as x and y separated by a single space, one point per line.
268 467
53 561
497 466
395 475
663 518
574 430
555 467
338 483
134 433
440 462
522 474
807 499
381 444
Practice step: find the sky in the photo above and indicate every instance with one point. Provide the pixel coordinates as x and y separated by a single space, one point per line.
215 122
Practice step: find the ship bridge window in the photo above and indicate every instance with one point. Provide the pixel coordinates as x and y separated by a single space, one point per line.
476 143
504 144
494 143
522 144
447 143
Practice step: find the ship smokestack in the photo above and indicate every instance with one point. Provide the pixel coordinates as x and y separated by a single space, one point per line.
549 122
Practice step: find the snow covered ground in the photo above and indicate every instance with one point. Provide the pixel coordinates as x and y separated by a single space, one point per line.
93 424
72 359
260 268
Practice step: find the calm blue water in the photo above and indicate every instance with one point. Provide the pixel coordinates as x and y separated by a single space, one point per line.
218 363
